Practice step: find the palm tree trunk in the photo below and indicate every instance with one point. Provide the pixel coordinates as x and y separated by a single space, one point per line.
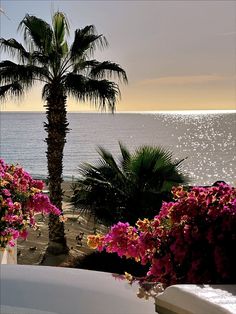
56 128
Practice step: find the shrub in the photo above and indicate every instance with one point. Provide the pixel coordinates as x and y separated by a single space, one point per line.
131 188
111 263
20 200
191 240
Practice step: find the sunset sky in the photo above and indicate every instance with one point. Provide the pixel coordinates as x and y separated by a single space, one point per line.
177 54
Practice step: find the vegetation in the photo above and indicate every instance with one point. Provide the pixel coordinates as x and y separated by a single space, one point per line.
130 189
111 263
21 198
64 71
190 241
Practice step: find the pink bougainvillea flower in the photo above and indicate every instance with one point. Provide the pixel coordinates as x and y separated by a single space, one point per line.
20 199
191 240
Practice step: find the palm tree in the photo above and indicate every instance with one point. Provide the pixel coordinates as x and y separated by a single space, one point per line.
129 189
64 71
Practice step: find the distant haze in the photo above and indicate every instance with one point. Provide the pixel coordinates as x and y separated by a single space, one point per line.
178 55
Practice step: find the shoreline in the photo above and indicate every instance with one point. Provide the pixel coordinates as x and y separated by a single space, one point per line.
65 178
77 227
31 250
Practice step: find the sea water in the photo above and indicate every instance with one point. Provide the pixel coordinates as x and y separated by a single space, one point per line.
207 139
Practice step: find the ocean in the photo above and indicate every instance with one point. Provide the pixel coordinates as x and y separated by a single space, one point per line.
206 139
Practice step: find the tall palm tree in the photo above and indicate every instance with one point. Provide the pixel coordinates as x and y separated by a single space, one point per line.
129 189
65 71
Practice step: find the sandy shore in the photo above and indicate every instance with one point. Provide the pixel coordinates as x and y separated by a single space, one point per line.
31 251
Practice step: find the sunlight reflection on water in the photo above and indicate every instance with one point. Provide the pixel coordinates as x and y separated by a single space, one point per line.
210 145
207 140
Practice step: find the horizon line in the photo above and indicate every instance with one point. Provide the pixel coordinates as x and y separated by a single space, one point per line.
182 111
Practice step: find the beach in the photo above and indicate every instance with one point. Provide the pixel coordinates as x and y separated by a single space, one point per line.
31 251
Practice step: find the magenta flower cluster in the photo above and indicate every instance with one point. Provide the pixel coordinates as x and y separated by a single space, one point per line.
20 199
192 240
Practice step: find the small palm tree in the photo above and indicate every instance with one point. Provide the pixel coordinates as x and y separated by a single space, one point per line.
64 71
131 189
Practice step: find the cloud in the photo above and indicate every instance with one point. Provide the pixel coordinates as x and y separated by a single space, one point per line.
227 33
186 80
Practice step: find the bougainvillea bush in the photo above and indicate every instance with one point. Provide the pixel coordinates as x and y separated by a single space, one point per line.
191 240
21 198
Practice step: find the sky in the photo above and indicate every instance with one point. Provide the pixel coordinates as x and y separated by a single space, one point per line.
178 55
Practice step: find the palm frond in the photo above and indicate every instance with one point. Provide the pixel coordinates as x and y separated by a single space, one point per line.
24 74
83 66
153 167
14 48
86 41
60 28
37 33
178 162
126 156
45 91
108 70
114 193
13 89
103 94
108 159
107 172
